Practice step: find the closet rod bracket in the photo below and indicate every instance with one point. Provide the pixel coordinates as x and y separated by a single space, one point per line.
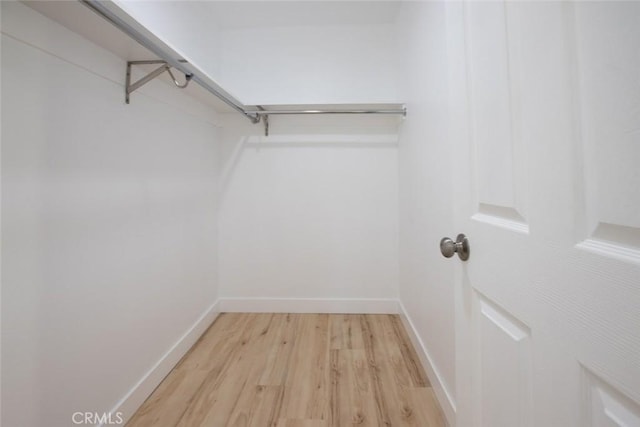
262 115
163 66
265 120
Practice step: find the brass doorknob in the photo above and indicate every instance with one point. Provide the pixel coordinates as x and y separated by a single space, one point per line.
461 246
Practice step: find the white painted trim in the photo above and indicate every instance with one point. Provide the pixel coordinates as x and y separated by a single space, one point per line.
309 305
446 400
130 403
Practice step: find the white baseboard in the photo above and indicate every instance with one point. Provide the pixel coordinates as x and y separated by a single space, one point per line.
130 403
443 395
309 305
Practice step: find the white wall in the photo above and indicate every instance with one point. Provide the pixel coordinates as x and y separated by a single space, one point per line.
426 277
345 64
311 211
108 223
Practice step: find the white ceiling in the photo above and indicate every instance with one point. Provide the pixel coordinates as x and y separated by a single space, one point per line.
252 14
230 15
271 13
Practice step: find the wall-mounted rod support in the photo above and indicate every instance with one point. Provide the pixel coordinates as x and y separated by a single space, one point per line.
132 87
187 78
265 121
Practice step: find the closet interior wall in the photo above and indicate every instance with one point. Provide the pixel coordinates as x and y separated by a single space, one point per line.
308 216
109 213
126 228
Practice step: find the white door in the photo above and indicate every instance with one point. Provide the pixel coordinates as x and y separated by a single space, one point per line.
545 119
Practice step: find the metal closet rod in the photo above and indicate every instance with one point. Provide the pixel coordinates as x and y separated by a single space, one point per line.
402 111
179 64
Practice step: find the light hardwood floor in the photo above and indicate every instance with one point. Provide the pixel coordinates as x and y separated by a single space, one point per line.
294 370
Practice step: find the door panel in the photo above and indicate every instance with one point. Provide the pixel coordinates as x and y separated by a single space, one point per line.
503 369
545 120
608 64
606 407
499 195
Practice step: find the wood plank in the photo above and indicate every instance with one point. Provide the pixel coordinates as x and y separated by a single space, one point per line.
215 401
394 356
346 332
352 400
261 409
390 386
252 405
291 370
302 423
352 332
375 360
306 386
429 414
280 352
336 340
409 355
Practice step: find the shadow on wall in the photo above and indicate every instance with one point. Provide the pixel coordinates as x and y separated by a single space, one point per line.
287 132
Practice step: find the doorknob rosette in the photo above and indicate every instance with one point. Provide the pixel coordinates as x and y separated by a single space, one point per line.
461 246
